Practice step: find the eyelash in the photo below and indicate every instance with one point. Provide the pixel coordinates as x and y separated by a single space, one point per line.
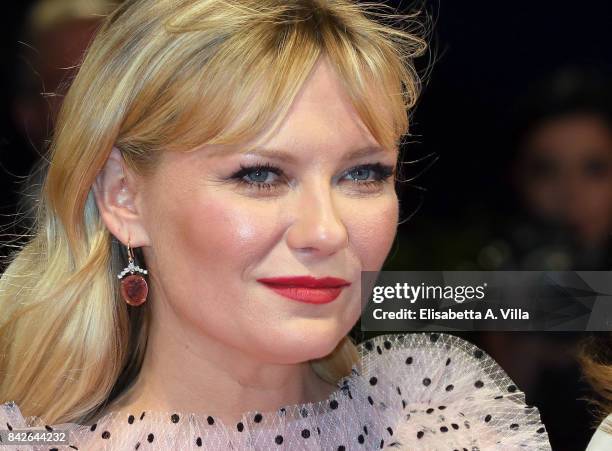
383 172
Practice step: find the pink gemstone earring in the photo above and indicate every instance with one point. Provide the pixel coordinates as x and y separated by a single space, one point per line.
134 288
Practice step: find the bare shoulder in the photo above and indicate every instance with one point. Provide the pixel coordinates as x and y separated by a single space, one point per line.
602 438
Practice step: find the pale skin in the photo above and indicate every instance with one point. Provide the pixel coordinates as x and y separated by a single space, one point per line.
220 342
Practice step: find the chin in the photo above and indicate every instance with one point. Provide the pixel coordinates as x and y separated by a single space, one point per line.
301 341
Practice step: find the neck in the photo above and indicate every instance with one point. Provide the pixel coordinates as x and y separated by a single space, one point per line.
188 372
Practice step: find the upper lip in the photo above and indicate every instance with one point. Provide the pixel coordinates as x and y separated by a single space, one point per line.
306 281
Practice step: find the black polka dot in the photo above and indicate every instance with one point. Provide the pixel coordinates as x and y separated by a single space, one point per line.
305 433
541 430
487 418
370 400
341 448
441 407
240 426
373 380
210 420
387 344
365 430
382 443
478 354
448 361
426 381
450 387
455 426
399 391
304 412
93 427
389 430
434 337
47 427
333 404
131 419
479 384
175 418
142 415
106 435
137 445
514 426
420 434
199 441
409 361
443 429
150 438
257 418
369 346
361 438
278 439
430 410
511 388
378 349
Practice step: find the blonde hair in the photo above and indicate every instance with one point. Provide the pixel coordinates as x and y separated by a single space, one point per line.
595 357
170 75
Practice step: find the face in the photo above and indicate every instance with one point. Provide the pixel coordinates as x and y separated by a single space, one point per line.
317 199
566 175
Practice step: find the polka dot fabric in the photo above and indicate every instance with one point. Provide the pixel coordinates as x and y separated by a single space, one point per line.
421 391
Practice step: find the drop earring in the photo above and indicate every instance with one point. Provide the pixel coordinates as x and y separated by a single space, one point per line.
134 288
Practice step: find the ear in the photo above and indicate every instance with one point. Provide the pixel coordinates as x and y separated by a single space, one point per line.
117 194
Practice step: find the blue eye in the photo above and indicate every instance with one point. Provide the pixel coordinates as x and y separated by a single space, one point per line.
258 175
263 176
360 173
369 173
269 177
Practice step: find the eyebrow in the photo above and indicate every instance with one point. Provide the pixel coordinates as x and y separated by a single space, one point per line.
282 155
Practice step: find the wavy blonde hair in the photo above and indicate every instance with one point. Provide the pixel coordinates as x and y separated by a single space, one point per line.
595 356
170 75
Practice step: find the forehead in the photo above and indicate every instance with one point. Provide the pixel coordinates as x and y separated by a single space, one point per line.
320 118
322 112
573 134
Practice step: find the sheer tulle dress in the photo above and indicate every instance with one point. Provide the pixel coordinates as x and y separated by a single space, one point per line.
421 391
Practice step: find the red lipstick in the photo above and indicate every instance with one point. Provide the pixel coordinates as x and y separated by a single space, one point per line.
307 288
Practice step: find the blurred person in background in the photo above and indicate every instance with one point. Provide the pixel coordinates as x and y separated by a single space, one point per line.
596 359
52 41
55 36
561 174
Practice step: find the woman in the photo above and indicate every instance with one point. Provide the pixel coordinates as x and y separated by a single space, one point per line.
246 151
596 359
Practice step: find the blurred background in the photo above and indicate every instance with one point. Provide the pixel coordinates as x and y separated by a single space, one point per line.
509 165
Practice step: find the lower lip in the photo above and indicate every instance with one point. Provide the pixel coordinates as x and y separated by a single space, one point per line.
306 294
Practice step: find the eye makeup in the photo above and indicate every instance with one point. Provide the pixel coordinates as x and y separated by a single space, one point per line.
265 176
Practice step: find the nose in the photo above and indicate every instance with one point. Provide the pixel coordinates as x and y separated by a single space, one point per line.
316 226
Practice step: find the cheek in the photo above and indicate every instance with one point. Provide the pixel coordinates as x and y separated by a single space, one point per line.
372 228
598 200
543 196
216 233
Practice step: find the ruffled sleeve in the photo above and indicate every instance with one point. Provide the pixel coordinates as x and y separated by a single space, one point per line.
442 392
409 392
